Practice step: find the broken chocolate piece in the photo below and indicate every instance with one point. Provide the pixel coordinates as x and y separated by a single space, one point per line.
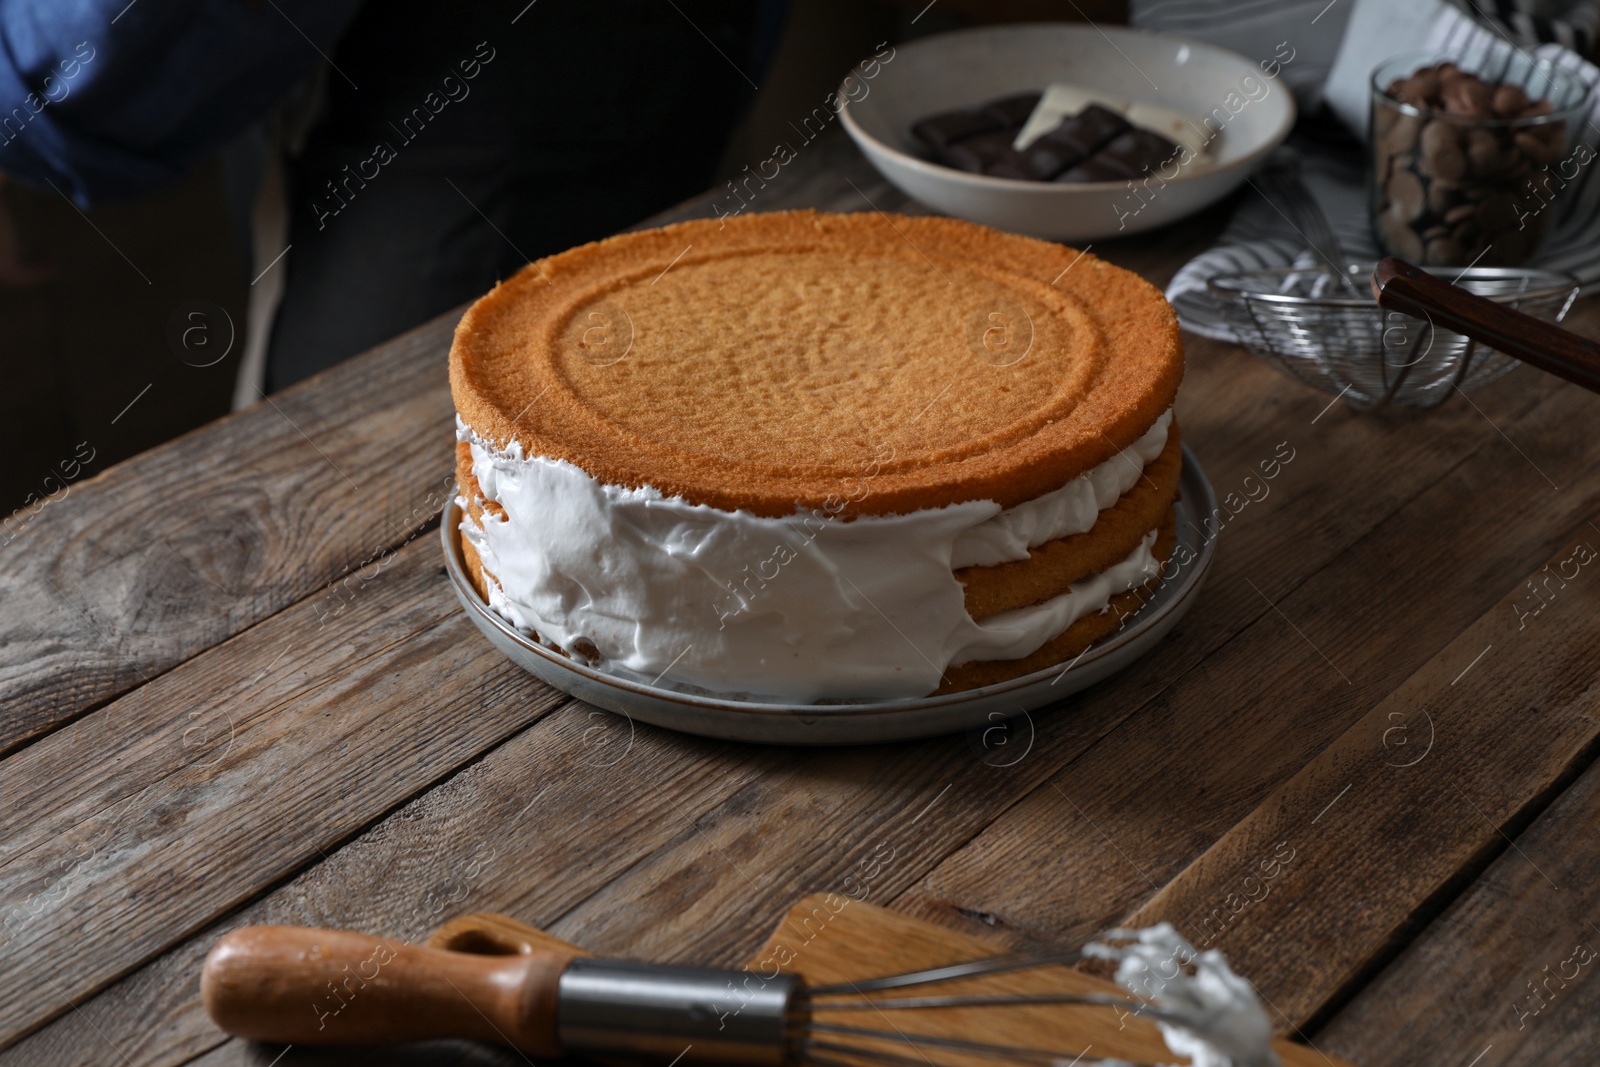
946 128
1090 170
1089 130
1012 110
1014 164
1095 145
1136 153
975 154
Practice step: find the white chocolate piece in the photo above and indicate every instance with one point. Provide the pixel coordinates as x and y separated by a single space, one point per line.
1062 99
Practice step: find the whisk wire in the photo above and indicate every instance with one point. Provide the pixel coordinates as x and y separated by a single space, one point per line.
809 1050
1008 1053
971 968
1136 1007
831 1051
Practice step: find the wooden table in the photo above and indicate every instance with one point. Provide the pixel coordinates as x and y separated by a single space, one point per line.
237 688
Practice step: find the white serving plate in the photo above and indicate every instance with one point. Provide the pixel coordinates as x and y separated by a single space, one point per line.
971 67
854 724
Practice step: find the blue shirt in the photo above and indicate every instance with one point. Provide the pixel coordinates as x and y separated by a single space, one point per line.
105 98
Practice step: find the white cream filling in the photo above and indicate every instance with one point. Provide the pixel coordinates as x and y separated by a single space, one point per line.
1072 509
798 609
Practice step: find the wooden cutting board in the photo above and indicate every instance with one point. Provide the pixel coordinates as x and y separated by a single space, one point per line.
829 938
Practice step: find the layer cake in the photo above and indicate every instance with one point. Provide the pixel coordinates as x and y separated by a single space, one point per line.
815 457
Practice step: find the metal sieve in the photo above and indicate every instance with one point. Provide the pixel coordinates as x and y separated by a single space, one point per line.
1313 326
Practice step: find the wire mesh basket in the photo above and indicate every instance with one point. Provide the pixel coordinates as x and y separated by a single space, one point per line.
1315 325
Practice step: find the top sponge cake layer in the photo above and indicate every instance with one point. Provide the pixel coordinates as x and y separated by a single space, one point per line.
866 364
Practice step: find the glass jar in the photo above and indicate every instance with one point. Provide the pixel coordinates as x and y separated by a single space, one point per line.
1471 158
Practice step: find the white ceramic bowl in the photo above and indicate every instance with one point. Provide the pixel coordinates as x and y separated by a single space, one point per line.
971 67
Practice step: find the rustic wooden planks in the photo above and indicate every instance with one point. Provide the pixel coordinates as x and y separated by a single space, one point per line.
1507 972
691 887
531 829
134 571
146 819
1160 790
1411 799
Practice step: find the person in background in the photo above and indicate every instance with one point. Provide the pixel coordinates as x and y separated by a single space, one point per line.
387 161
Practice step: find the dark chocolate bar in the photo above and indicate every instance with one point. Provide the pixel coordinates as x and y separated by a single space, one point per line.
1137 153
1048 157
1089 130
1013 110
1013 164
975 154
948 127
1090 170
1095 145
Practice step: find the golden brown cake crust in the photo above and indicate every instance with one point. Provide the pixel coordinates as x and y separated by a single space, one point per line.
1061 648
797 359
1055 565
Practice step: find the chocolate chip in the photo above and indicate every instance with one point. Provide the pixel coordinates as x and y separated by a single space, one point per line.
1508 100
1466 95
1442 196
1398 238
1405 90
1484 153
1402 135
1441 251
1439 135
1407 200
1534 147
1498 211
1440 147
1449 163
1460 213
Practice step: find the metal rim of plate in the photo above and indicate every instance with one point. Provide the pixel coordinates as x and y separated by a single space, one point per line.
865 723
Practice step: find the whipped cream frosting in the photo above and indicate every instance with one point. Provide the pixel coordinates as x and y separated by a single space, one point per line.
1072 509
797 609
1206 1012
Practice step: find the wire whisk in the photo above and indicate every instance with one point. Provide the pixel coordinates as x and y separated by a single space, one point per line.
302 986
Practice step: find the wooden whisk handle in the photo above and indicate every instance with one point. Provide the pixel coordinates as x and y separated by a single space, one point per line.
1400 286
301 986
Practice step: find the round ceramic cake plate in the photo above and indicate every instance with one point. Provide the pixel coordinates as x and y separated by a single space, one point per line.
855 724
